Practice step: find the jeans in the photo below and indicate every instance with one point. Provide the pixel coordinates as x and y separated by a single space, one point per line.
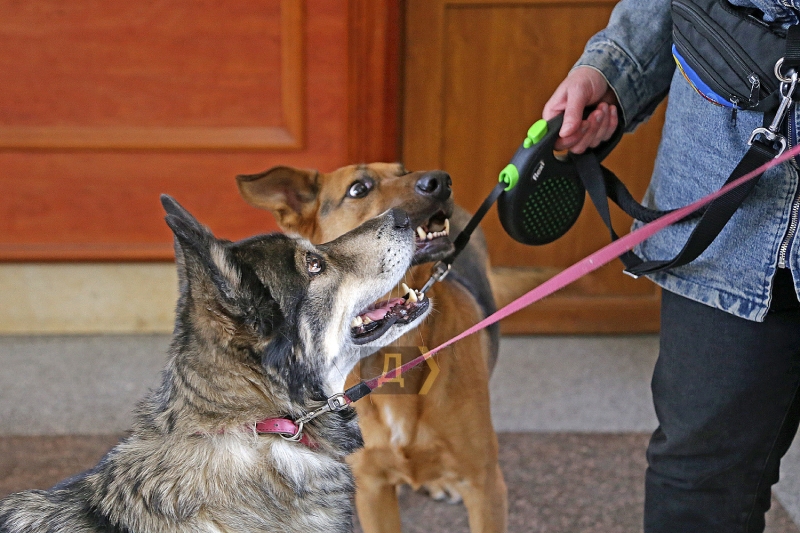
725 391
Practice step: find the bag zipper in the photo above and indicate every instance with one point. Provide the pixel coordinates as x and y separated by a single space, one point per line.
749 74
710 79
755 84
783 250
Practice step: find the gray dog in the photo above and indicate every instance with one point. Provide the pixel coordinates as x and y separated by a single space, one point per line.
264 335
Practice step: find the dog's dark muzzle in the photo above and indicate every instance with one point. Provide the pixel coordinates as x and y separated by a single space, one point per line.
436 184
431 218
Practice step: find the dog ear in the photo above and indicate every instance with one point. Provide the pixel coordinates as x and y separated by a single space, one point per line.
200 257
288 193
226 290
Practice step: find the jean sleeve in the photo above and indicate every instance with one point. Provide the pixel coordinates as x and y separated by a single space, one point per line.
634 55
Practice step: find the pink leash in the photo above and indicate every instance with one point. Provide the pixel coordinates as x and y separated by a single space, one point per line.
581 268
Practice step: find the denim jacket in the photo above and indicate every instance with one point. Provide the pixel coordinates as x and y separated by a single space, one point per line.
700 147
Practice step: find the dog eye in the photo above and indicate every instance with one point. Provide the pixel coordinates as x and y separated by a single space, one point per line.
314 263
359 189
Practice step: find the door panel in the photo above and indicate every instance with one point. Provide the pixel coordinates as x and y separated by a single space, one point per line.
477 75
108 104
152 75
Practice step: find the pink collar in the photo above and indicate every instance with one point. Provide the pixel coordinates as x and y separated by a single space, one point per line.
293 430
285 428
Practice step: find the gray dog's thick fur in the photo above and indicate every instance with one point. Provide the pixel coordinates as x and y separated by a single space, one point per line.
262 331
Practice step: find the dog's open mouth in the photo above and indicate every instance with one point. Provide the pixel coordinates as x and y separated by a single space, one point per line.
438 226
376 320
433 238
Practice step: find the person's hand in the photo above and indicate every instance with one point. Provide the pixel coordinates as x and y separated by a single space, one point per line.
583 86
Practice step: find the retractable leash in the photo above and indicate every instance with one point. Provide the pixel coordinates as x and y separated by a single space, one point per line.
544 196
545 193
618 248
589 264
546 203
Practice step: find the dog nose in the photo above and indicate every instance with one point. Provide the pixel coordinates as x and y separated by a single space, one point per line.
435 183
400 218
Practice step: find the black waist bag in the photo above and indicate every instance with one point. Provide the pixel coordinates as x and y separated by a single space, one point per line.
730 50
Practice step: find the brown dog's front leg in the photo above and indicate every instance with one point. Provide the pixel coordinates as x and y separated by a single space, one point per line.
377 506
487 505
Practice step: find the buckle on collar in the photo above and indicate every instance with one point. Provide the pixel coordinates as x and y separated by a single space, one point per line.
297 437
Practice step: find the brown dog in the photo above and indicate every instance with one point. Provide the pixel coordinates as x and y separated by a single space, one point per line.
442 440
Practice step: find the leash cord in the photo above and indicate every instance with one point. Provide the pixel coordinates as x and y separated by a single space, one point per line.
586 265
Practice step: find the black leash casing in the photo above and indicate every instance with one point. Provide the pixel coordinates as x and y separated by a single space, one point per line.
541 194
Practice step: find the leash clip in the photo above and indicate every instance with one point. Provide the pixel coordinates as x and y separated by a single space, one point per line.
337 402
438 273
334 403
787 99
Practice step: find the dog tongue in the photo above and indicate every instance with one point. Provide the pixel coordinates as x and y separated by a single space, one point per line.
382 308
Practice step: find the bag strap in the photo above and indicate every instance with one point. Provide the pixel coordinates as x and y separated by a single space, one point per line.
717 215
593 178
602 184
791 59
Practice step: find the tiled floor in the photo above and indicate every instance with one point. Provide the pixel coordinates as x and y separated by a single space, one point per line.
558 482
574 414
564 483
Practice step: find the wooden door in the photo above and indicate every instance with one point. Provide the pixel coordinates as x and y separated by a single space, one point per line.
108 103
477 75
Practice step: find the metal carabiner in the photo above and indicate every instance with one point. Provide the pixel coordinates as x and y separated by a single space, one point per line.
779 74
771 133
438 273
333 403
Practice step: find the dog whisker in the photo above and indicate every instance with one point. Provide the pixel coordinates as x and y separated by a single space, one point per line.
341 374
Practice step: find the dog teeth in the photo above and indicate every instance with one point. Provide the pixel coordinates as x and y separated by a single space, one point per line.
367 320
411 295
357 322
423 236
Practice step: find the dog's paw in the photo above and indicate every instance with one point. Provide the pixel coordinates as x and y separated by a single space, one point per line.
442 493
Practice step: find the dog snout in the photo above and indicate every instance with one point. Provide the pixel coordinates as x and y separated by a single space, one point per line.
400 218
435 183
